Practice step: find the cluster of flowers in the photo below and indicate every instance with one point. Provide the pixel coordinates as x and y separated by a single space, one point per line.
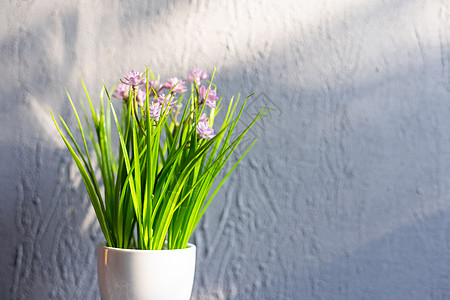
165 103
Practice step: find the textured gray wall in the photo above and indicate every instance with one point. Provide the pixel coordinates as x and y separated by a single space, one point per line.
346 194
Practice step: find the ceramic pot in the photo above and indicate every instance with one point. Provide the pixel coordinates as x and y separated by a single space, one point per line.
145 274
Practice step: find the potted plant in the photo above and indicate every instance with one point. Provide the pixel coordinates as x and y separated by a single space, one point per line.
155 189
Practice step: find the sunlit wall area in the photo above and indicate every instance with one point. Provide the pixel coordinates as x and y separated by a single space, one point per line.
346 194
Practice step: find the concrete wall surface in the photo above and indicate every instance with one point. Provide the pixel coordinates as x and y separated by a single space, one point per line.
346 194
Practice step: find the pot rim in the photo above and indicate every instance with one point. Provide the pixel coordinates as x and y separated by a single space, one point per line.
103 245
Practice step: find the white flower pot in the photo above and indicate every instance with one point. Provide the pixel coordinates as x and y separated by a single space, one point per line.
145 274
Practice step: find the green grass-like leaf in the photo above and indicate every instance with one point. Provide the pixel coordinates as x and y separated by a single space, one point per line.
158 185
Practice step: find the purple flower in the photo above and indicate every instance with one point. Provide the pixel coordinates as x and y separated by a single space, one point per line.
203 118
166 100
204 131
133 79
153 87
197 75
155 111
160 99
141 96
208 97
122 91
176 85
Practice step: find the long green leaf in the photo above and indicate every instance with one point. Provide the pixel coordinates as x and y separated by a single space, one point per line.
88 185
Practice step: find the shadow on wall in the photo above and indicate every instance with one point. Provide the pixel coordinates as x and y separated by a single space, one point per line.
357 151
47 226
410 262
51 246
338 143
355 210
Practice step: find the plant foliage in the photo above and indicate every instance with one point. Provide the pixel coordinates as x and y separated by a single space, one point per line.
155 189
